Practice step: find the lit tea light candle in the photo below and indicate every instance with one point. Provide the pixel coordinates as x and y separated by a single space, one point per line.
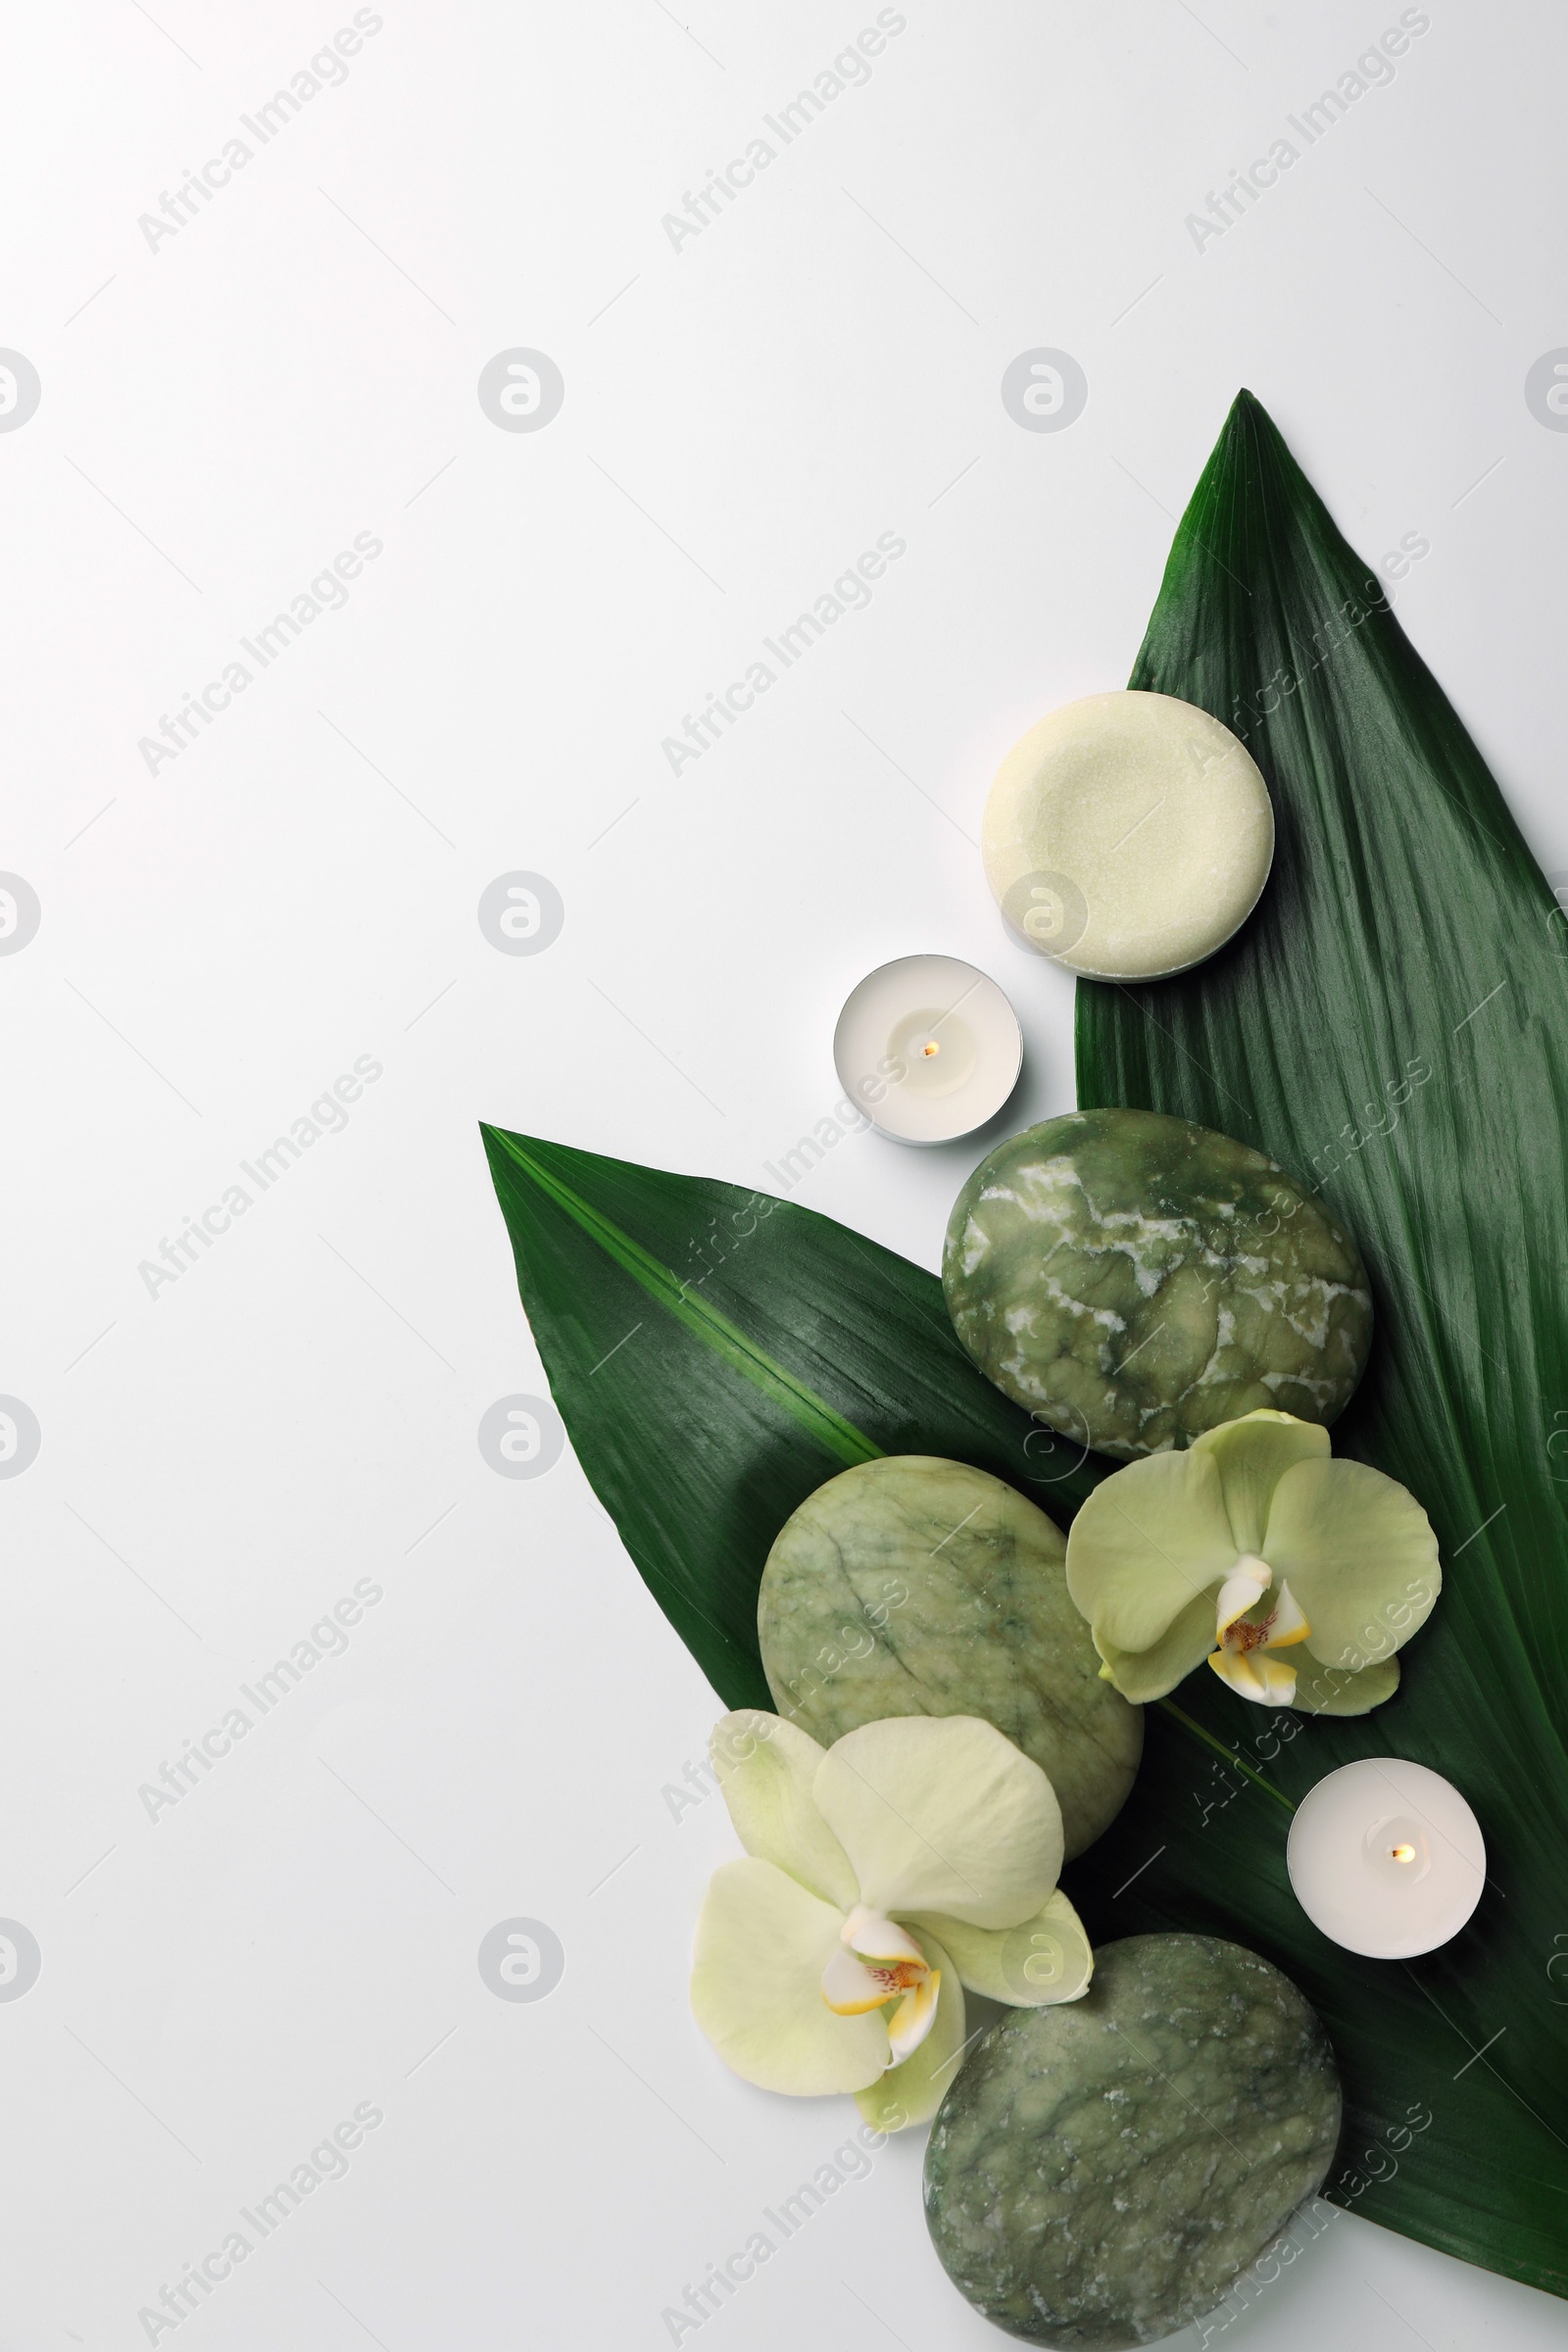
1128 836
1387 1858
928 1048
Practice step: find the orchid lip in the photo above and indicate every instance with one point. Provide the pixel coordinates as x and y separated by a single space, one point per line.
853 1982
914 2017
1243 1589
874 1938
1244 1657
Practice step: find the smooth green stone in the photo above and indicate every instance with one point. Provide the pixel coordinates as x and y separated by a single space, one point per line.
1133 1280
1101 2172
916 1587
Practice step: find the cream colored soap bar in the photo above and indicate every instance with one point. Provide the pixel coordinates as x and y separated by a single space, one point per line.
1128 836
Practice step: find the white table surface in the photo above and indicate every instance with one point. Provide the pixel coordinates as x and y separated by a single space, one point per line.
223 411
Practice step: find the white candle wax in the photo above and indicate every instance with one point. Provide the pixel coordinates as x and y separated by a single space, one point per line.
928 1048
1387 1858
1128 836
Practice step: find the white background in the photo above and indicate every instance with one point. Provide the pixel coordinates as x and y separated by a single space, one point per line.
220 1462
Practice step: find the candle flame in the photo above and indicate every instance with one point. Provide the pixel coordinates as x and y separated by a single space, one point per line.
1401 1853
929 1049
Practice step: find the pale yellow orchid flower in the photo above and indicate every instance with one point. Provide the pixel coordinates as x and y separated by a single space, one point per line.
1295 1576
914 1856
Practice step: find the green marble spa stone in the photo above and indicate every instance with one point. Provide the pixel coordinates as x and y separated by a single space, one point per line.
1101 2172
916 1587
1133 1280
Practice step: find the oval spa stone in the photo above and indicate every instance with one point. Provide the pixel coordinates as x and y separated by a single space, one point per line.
1100 2174
911 1585
1133 1280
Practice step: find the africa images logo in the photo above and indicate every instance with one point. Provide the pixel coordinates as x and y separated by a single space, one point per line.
1547 391
521 389
20 390
521 1960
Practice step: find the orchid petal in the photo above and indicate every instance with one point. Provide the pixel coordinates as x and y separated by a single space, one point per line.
1045 1960
1327 1691
1360 1556
1253 1455
942 1813
1146 1543
765 1768
1141 1675
763 1943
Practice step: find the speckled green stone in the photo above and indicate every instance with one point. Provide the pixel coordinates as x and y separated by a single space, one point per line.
1101 2172
1134 1280
917 1586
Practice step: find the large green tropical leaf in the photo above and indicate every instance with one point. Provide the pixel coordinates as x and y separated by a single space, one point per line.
1406 955
717 1354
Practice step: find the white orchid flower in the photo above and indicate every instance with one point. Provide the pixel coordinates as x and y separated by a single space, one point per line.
914 1856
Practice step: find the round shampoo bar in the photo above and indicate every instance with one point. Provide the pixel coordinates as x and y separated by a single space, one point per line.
1128 836
1132 1280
